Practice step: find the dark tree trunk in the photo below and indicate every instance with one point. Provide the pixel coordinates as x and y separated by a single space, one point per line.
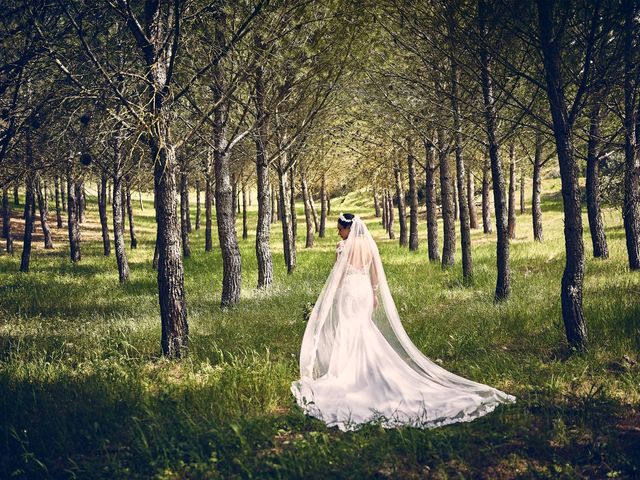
486 202
63 193
596 225
308 216
471 200
225 208
198 205
29 218
118 227
328 203
6 219
44 213
432 207
456 207
72 216
314 212
208 204
512 191
245 225
16 194
390 219
81 200
285 220
572 279
184 211
413 199
323 207
102 211
631 206
275 214
536 208
132 228
448 217
385 213
402 215
294 216
503 281
56 182
376 202
522 206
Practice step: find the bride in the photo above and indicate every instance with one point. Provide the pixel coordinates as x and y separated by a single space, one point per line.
357 363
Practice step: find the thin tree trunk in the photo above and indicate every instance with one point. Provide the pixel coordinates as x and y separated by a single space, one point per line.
596 225
432 207
486 202
56 181
119 225
6 219
328 199
132 228
245 226
512 191
29 216
44 212
631 206
572 279
294 216
503 280
314 212
308 217
184 211
275 209
448 217
390 218
208 201
522 205
536 208
385 206
413 199
376 202
16 194
471 197
285 220
72 216
402 216
198 204
456 207
102 211
81 200
323 207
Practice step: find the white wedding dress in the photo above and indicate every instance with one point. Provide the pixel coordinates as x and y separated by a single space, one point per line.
358 365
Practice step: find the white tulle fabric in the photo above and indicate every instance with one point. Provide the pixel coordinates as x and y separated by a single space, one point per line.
358 365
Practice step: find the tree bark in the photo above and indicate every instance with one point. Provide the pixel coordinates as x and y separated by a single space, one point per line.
456 207
6 219
376 202
285 220
119 224
323 207
132 228
72 215
16 194
512 191
596 225
432 207
402 215
81 200
314 212
44 212
184 210
198 204
631 206
413 199
522 205
390 214
245 226
102 211
471 200
503 280
29 218
308 216
385 213
536 208
486 203
448 220
294 215
208 204
56 182
572 279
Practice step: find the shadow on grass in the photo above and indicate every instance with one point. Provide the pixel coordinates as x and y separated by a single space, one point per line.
110 425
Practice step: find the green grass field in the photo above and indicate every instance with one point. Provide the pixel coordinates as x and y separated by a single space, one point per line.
85 394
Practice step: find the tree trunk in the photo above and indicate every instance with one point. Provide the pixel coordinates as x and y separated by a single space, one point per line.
81 200
294 216
471 200
402 216
314 212
572 279
536 208
208 201
376 202
503 280
448 217
44 212
184 211
390 214
275 213
16 194
328 199
486 203
102 211
285 220
308 217
6 219
198 204
432 207
456 207
245 226
522 206
596 225
631 206
512 191
385 213
413 199
118 226
56 182
29 216
323 207
132 228
72 215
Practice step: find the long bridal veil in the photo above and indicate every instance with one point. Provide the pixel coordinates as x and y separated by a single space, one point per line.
358 364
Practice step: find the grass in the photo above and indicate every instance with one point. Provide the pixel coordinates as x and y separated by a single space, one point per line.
85 394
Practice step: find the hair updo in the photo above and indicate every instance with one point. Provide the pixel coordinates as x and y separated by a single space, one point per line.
345 220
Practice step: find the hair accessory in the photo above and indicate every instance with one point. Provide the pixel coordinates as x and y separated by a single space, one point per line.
342 218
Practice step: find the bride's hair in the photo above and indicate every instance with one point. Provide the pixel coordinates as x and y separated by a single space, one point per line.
345 220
